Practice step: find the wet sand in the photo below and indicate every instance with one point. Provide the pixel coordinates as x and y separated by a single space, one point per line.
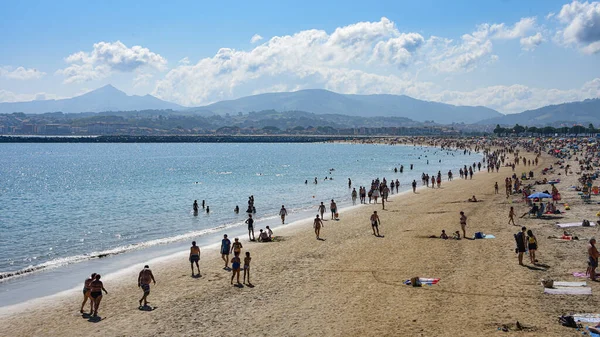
351 284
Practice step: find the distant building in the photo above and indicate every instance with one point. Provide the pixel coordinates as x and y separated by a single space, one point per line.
58 129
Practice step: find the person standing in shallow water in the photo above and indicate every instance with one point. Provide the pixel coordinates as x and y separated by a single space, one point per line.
414 186
322 209
354 195
195 207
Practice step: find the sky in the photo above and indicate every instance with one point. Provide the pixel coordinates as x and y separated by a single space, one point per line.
504 54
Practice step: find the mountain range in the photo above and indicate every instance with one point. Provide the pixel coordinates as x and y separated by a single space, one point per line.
583 112
320 102
106 98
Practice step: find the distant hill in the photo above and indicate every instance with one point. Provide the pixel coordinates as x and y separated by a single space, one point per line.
320 101
584 112
107 98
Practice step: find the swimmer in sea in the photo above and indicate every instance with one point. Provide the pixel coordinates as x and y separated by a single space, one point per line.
195 257
207 210
195 207
236 210
96 288
86 293
144 279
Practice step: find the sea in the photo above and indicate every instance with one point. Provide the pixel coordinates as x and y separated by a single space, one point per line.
69 209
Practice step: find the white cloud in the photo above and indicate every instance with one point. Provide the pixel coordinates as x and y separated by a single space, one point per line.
255 38
517 98
108 57
307 58
141 79
20 73
581 22
9 96
531 42
361 58
185 61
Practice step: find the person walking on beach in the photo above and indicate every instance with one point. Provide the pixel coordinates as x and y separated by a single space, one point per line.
247 260
195 257
144 279
225 249
354 195
333 209
375 222
521 244
463 223
511 216
236 247
496 188
414 186
592 259
235 267
282 213
86 293
317 224
322 209
250 223
96 289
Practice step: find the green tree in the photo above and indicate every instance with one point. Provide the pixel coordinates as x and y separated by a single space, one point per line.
499 130
518 129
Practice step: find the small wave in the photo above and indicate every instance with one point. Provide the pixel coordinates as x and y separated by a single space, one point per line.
59 262
227 172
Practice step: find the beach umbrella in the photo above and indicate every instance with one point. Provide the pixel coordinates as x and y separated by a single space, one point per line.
539 195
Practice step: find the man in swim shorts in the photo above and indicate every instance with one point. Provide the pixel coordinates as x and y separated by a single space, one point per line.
195 257
521 239
322 209
144 279
86 293
250 223
225 249
375 222
333 208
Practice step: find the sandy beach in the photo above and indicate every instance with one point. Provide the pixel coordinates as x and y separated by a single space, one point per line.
351 284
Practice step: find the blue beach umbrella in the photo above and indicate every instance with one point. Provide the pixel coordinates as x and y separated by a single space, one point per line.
539 195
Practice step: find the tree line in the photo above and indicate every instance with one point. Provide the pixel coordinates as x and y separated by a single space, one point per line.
519 130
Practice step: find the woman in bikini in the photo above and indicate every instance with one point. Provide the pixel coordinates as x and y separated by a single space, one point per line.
86 293
96 288
532 245
235 267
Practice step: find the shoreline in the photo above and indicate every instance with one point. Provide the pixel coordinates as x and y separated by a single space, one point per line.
177 240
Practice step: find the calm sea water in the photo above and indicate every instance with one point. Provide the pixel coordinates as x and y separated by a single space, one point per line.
65 203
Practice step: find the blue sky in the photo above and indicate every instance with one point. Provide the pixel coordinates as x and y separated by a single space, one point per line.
505 54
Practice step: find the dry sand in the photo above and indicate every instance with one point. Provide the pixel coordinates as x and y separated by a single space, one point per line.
351 284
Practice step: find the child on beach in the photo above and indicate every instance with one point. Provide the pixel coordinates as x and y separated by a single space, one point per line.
247 260
235 267
444 235
511 216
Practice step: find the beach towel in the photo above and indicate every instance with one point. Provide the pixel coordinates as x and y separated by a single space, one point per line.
587 318
569 284
593 334
568 291
489 236
573 224
580 274
427 281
